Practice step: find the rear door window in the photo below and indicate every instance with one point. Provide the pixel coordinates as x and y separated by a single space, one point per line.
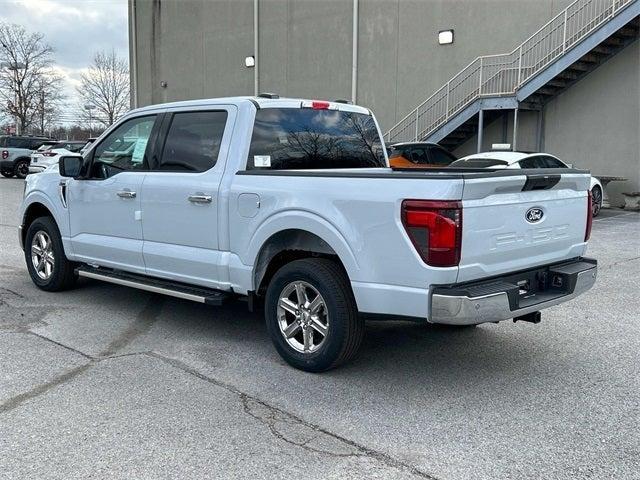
17 142
533 162
303 138
193 142
550 162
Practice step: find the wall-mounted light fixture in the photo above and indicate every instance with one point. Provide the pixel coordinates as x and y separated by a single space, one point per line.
445 37
250 62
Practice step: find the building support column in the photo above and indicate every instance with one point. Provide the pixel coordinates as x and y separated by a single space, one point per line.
256 46
505 126
514 143
133 55
540 131
354 54
480 130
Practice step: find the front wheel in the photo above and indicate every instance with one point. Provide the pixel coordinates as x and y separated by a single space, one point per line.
596 201
47 264
311 315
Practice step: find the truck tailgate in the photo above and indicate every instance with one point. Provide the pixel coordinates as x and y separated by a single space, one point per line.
512 223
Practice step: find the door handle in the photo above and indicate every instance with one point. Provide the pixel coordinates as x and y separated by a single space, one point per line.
126 194
200 198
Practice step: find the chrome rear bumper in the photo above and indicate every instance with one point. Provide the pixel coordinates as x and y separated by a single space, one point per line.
502 298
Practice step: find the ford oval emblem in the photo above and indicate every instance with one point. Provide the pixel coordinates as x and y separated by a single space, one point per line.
534 215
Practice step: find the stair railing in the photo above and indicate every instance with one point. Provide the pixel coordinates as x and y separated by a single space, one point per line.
503 74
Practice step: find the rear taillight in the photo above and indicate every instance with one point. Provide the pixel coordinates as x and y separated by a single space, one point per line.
587 232
48 153
5 154
435 229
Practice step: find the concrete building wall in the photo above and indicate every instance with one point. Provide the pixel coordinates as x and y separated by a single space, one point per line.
596 123
198 47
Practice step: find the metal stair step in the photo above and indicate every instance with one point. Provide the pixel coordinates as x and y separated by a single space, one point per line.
167 287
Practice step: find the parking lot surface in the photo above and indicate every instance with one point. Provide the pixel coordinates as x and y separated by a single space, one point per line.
110 382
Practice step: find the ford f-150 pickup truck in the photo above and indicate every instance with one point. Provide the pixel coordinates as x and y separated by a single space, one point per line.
292 204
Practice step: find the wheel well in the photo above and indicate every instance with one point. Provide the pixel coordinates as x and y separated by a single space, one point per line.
285 247
21 158
34 211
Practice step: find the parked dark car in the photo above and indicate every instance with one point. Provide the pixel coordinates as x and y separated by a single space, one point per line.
419 155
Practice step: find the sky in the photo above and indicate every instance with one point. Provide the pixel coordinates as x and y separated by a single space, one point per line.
76 29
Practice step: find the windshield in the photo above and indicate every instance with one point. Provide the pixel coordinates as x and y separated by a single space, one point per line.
304 138
479 163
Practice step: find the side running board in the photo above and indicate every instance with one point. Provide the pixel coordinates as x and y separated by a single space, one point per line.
150 284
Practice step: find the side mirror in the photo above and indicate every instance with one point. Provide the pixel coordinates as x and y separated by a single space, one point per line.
70 166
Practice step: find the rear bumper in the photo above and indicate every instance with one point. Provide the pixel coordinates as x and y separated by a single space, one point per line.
512 295
6 165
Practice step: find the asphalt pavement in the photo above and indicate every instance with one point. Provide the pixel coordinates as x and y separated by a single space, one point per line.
109 382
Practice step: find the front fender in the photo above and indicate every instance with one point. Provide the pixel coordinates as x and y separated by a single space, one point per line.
44 190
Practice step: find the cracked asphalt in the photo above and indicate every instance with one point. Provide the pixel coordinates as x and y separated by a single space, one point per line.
109 382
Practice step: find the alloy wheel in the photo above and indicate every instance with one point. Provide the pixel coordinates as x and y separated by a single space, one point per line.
42 255
596 201
22 169
302 317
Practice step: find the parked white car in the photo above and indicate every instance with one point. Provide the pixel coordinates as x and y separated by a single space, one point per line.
43 159
292 204
497 159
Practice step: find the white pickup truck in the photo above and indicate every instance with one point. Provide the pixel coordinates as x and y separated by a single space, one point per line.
292 204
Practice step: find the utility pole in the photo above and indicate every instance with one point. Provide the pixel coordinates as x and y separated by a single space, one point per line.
89 107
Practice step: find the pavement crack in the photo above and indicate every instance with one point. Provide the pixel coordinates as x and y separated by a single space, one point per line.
314 438
143 322
74 350
620 262
16 401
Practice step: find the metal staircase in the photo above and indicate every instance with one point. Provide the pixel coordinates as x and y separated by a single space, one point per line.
568 47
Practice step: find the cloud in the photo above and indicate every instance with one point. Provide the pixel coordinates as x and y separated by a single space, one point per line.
76 29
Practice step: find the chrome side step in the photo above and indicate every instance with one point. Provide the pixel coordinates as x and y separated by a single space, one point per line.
155 285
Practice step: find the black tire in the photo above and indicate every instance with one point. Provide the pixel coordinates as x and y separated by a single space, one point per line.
6 174
345 327
21 168
596 196
62 276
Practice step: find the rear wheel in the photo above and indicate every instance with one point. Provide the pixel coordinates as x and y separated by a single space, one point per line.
596 201
47 264
21 168
311 315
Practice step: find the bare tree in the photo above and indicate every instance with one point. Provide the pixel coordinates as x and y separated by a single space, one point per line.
106 87
49 99
25 61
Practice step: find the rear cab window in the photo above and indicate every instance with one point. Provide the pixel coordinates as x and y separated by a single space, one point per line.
308 139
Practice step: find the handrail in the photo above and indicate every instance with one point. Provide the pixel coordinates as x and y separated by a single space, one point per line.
503 74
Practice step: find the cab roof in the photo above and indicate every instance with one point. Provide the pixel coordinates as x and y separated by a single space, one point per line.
260 102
